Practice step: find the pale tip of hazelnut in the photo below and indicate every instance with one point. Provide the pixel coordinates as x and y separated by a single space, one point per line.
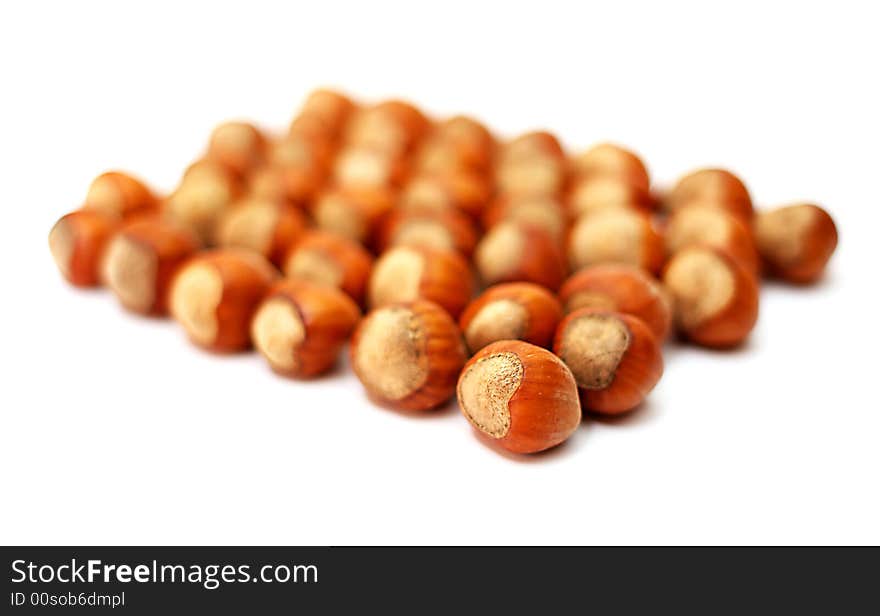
593 346
277 331
502 319
130 271
196 295
485 390
390 356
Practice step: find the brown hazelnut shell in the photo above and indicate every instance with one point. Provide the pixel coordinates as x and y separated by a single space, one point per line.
543 410
168 247
244 278
637 372
620 288
78 241
728 326
444 278
450 230
441 356
328 317
542 312
536 258
712 187
120 194
352 263
794 251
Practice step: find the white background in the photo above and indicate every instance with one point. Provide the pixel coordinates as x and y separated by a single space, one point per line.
115 430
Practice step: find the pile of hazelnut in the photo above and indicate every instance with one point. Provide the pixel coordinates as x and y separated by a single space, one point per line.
579 269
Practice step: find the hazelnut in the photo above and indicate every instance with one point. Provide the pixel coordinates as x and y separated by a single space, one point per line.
535 143
614 357
315 128
796 241
266 227
408 355
699 224
77 242
536 175
301 153
620 288
332 107
391 127
448 230
595 193
354 213
407 115
407 273
520 395
610 160
332 260
514 252
713 187
301 326
121 195
363 167
542 212
141 261
715 299
206 191
615 236
295 185
511 311
456 143
461 190
238 146
214 295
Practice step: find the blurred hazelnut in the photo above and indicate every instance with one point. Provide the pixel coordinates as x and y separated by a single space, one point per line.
796 241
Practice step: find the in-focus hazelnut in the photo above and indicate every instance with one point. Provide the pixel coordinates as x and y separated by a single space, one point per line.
514 252
141 261
615 236
214 295
715 299
408 355
620 288
300 326
332 260
511 311
796 241
520 395
266 227
77 242
615 358
407 273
